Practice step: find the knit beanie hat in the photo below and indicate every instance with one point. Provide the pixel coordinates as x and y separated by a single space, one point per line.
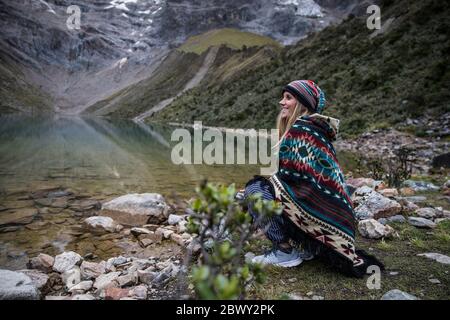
308 94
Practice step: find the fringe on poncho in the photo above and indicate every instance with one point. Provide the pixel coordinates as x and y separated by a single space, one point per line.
311 187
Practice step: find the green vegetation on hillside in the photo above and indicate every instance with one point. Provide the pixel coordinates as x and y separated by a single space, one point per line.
17 94
369 81
232 38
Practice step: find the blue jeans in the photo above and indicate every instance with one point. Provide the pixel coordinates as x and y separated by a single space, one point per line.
273 227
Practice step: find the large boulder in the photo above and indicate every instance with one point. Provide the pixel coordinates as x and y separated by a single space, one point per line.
17 286
100 224
371 204
137 209
66 261
427 213
372 229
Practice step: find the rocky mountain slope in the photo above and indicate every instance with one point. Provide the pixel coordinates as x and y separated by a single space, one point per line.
121 42
373 79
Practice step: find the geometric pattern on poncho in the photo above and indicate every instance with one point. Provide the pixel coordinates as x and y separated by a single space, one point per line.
311 186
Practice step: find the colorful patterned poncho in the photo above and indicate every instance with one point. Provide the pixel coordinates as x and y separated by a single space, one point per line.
311 187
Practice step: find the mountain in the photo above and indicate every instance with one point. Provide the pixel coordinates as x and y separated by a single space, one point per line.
372 78
122 42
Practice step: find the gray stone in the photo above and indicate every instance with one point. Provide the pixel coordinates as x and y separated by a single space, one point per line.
66 261
420 185
106 280
136 209
434 281
139 231
174 219
373 205
38 278
372 229
398 295
81 287
415 199
147 276
127 280
396 219
421 222
91 270
71 277
428 213
99 224
17 286
57 298
436 256
383 221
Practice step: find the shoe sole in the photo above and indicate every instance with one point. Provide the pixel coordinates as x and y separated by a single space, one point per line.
289 264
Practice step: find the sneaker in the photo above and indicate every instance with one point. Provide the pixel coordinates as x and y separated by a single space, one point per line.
279 258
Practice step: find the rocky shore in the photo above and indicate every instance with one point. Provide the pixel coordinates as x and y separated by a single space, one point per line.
146 223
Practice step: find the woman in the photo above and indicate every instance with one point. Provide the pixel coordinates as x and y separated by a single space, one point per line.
317 210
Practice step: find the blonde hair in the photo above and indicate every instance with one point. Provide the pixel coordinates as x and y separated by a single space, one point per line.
284 124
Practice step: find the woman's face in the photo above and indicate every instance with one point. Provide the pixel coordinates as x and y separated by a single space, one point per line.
287 104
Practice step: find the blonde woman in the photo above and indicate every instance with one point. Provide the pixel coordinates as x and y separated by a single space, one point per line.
317 209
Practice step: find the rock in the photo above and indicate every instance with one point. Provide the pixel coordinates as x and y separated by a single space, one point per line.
419 186
416 199
421 222
147 276
38 278
81 287
83 297
155 237
91 270
136 209
360 182
139 231
428 213
18 216
138 292
100 224
436 256
317 297
407 191
390 193
441 161
114 262
116 293
398 295
374 205
145 242
174 219
439 220
66 261
42 262
17 286
383 221
372 229
167 234
127 280
396 219
106 280
408 206
434 281
85 205
177 239
182 226
71 277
